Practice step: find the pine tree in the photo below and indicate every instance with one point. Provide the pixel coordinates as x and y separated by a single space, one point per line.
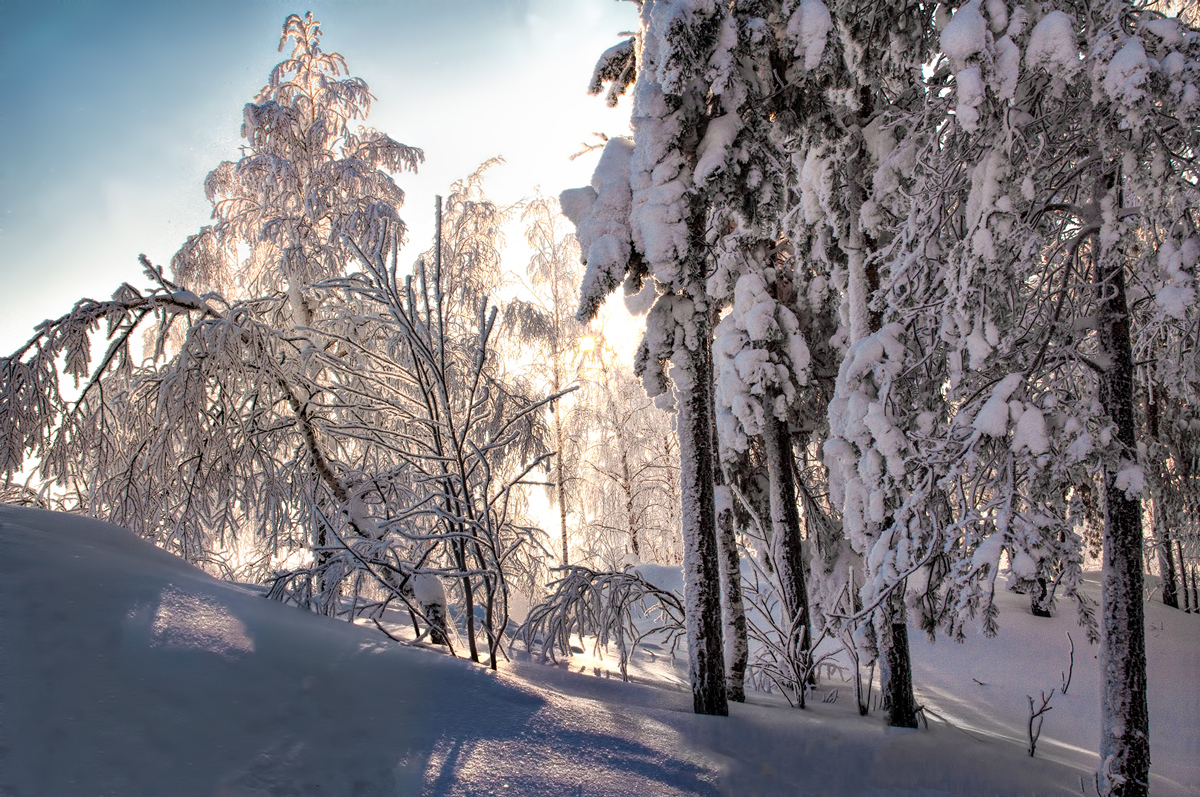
640 202
1042 249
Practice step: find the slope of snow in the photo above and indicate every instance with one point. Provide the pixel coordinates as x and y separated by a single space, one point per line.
124 671
1031 654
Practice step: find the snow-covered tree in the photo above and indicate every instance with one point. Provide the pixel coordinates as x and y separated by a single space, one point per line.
306 182
345 415
1033 219
546 325
631 470
643 222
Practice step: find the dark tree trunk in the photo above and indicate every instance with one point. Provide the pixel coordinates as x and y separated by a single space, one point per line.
1039 598
1163 517
627 488
1170 591
1125 719
702 576
785 533
468 600
733 613
902 705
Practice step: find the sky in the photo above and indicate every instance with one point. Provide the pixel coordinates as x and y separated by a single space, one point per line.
113 111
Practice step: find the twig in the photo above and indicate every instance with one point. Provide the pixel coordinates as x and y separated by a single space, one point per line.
1035 719
1066 676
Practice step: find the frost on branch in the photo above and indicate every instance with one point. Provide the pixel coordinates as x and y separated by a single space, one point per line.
621 609
618 67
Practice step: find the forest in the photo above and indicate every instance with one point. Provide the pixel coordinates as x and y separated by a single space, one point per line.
915 285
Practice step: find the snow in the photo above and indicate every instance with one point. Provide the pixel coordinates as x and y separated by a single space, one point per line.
187 298
965 35
1008 68
978 347
714 147
970 95
600 213
1166 28
1052 45
992 418
998 14
1178 291
1131 479
1127 72
428 590
125 671
1030 433
809 27
1031 654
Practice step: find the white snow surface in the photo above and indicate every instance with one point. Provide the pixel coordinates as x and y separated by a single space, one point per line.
125 671
809 27
965 35
1052 45
714 147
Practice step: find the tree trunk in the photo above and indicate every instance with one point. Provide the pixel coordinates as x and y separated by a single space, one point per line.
1163 517
902 705
1125 719
561 485
627 488
1170 590
702 595
468 599
785 540
1039 598
733 609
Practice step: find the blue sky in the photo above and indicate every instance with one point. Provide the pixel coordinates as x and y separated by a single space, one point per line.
113 111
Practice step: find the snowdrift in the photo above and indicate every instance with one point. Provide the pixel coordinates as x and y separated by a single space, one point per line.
125 671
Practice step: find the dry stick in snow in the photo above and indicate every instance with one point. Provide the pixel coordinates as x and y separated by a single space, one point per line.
1035 719
1066 676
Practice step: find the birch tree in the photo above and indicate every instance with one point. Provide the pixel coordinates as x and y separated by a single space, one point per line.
546 324
631 468
340 411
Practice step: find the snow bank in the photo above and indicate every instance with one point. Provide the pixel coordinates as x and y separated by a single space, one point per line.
125 671
980 686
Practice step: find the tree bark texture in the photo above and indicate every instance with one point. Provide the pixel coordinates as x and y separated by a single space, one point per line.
902 704
702 579
733 613
1124 715
785 537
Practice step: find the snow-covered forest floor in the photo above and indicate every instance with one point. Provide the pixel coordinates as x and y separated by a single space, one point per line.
125 671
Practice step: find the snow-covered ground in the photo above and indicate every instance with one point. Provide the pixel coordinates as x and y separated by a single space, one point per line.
124 671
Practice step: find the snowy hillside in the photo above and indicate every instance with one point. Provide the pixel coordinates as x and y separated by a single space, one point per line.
124 671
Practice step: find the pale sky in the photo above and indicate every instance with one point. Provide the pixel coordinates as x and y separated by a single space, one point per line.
115 110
